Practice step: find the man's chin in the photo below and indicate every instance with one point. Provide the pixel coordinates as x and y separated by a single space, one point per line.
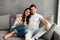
33 13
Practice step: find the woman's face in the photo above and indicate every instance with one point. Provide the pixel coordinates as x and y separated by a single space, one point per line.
27 12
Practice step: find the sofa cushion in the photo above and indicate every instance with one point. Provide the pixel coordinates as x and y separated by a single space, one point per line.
16 38
49 34
2 33
12 21
4 22
41 39
50 19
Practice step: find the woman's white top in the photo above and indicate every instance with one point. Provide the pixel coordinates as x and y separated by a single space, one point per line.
34 21
17 21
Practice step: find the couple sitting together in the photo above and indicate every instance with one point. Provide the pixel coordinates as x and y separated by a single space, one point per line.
26 24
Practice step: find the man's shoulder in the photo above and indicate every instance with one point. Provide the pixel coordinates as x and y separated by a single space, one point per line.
38 14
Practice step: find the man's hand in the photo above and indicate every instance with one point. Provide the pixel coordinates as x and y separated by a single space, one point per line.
47 27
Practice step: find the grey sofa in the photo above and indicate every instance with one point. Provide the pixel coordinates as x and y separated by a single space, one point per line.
6 22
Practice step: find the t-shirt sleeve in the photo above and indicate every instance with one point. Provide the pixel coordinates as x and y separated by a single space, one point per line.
17 21
41 17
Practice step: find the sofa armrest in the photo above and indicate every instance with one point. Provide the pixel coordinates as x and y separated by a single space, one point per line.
57 33
56 36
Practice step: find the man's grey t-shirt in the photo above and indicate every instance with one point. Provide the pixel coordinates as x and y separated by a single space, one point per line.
34 21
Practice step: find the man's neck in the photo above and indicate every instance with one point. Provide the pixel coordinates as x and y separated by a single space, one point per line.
33 13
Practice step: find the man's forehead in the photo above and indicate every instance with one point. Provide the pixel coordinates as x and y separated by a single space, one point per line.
33 8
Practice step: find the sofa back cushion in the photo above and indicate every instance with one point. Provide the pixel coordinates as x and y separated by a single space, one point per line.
50 19
4 22
12 21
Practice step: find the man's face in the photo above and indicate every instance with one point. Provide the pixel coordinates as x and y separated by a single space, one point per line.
33 10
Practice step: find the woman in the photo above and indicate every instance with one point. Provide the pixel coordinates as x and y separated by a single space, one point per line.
21 27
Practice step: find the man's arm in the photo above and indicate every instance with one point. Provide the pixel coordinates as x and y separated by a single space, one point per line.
47 24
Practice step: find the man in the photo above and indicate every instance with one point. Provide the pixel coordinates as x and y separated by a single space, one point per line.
34 23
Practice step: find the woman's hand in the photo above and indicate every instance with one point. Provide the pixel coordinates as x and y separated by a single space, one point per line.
25 20
20 23
17 24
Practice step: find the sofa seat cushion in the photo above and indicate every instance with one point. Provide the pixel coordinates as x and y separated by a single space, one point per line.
41 39
16 38
12 20
2 33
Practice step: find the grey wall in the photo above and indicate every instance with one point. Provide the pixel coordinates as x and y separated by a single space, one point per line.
58 21
45 7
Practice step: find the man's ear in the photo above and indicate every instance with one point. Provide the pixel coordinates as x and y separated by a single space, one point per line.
36 9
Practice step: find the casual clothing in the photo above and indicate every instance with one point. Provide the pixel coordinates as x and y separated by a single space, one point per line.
33 25
28 36
36 34
16 21
20 30
34 21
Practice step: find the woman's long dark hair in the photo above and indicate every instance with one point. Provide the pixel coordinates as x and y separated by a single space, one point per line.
23 16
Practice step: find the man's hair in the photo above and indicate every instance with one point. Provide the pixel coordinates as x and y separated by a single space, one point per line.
33 5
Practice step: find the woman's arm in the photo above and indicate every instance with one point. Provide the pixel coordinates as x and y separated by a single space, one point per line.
17 24
25 21
21 23
17 21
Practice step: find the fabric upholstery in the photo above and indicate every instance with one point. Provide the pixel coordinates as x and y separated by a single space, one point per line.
16 38
12 21
4 22
49 34
2 33
41 39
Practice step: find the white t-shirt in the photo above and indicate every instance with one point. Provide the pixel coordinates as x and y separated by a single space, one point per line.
16 21
34 21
